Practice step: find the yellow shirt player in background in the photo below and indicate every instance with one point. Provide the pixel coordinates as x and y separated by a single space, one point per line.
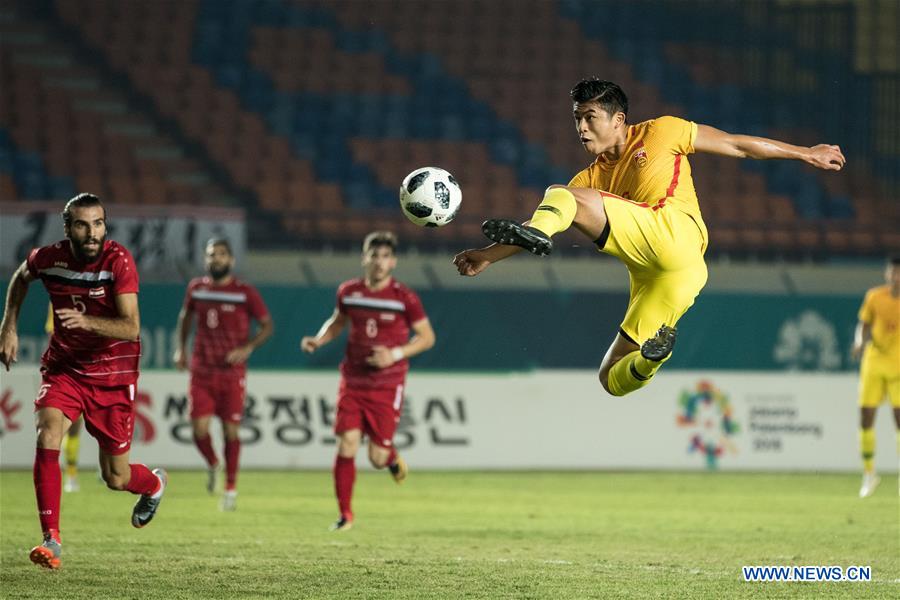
877 339
72 439
637 202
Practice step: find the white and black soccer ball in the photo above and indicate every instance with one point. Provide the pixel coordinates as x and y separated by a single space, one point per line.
430 197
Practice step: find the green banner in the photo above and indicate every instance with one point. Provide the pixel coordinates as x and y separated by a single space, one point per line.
501 331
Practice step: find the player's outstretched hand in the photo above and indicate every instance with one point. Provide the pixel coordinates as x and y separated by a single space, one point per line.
239 355
309 344
470 262
826 156
9 348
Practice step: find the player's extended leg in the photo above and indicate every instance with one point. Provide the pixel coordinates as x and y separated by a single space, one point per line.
867 447
120 475
628 367
232 460
71 444
203 442
345 476
560 208
52 425
382 457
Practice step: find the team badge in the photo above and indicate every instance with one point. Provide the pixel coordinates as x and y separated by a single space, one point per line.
640 157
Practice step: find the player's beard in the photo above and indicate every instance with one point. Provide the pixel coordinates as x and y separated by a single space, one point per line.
79 251
220 273
377 276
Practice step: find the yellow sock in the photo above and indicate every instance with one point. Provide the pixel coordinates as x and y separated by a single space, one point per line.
867 445
72 442
555 213
632 373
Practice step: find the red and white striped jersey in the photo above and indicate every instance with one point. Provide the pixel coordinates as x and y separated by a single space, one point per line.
377 318
223 320
92 289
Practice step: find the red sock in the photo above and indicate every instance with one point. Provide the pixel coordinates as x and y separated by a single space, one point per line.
392 457
204 445
232 458
142 481
47 487
344 476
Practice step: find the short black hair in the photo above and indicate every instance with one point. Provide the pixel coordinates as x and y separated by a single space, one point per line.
220 241
80 201
380 238
894 260
607 94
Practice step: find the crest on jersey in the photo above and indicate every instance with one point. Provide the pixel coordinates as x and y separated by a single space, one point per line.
640 156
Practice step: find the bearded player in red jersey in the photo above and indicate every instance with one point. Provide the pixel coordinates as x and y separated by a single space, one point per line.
90 366
225 306
380 311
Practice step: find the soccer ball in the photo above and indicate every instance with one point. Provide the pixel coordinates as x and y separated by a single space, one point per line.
430 197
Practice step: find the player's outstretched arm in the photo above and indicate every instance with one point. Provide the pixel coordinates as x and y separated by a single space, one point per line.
715 141
472 262
126 326
330 329
15 296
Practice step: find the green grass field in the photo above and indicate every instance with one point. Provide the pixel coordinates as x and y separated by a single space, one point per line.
462 535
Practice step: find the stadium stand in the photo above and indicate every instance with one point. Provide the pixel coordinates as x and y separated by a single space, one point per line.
313 111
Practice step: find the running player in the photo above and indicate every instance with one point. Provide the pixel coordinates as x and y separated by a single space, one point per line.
877 340
381 312
225 306
90 366
637 202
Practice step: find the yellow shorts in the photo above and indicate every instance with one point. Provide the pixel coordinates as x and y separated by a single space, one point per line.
663 251
878 379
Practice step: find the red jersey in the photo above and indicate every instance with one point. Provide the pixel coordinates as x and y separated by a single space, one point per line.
223 320
92 289
381 318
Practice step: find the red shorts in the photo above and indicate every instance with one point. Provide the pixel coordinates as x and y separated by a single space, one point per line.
108 411
217 394
374 411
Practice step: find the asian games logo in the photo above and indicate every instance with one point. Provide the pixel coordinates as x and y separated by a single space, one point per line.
708 415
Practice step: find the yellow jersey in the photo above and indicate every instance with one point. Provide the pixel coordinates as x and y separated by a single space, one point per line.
653 169
881 311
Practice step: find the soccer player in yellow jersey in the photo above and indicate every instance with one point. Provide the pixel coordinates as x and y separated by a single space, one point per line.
877 339
637 202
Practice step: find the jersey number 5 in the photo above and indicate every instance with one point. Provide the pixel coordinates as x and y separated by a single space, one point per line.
79 304
212 318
